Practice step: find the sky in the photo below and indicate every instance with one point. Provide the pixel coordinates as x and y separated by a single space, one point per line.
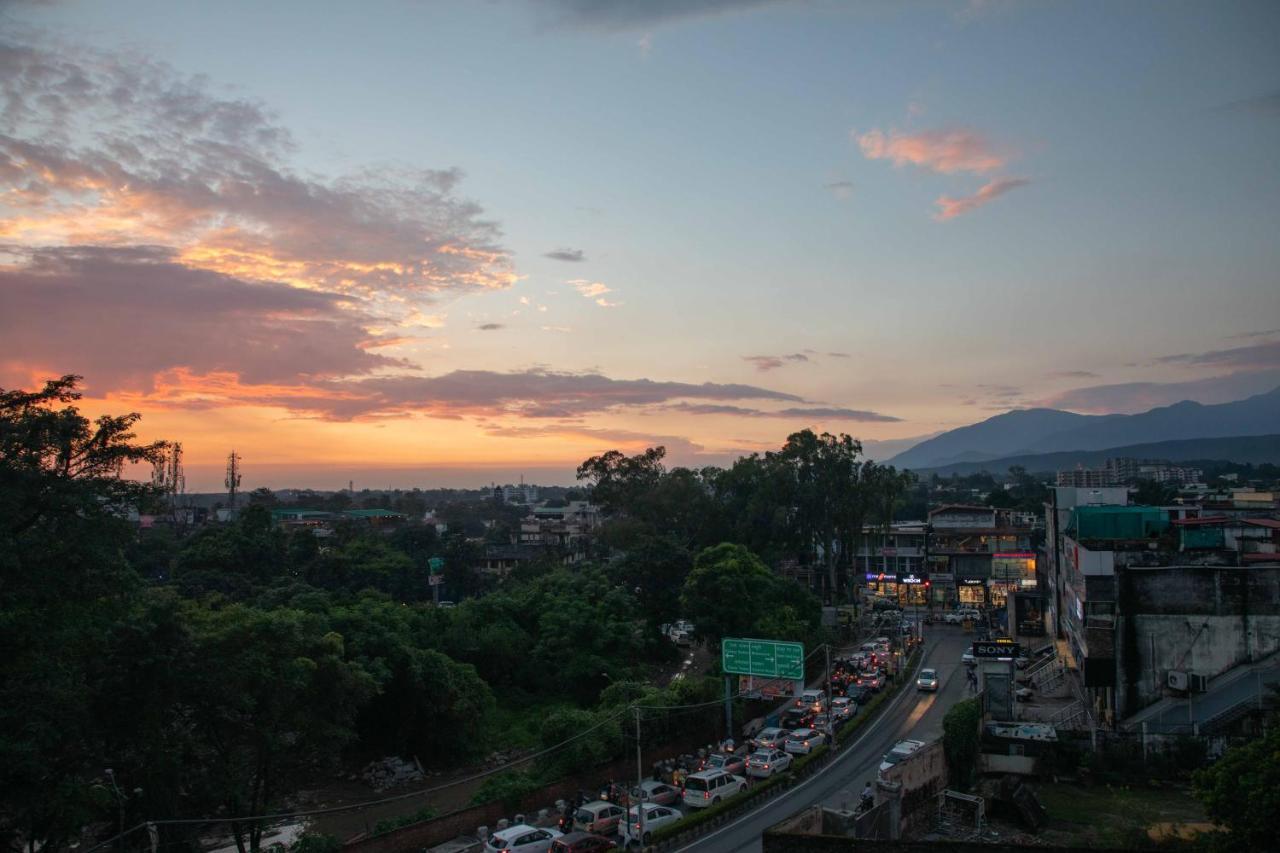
406 242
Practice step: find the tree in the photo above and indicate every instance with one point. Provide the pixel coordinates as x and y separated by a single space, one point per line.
1152 493
960 729
619 482
731 593
271 696
63 584
1241 790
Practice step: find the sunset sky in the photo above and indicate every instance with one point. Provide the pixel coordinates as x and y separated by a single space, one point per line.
442 243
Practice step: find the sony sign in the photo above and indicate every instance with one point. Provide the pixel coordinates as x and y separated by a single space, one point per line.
996 649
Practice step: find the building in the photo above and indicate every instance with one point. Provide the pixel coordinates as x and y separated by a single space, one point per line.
1133 592
1087 478
982 553
518 494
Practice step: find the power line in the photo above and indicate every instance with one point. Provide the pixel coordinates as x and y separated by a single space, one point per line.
367 803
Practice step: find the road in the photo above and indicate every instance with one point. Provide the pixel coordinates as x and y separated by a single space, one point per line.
910 714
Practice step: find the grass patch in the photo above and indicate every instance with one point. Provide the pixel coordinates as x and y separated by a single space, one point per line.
1112 816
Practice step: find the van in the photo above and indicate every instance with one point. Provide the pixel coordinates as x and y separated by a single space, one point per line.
710 787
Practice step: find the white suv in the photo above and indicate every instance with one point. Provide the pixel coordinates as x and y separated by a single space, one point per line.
522 838
710 787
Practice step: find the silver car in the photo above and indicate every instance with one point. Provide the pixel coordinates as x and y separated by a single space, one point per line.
928 680
763 763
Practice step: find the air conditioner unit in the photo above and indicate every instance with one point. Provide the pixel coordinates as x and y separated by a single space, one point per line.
1199 683
1177 680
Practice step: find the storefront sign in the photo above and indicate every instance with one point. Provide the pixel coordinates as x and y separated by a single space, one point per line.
970 581
912 578
882 576
996 649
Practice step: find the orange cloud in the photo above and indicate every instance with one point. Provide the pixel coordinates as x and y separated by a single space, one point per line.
950 208
945 151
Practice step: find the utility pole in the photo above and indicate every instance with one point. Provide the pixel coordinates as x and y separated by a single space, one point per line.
827 685
639 783
728 707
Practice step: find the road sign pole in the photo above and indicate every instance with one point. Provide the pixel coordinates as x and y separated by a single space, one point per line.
728 709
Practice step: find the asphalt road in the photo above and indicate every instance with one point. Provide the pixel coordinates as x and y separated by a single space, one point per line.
911 714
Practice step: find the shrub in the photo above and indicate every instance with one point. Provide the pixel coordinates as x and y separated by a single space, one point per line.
507 788
315 842
960 741
390 824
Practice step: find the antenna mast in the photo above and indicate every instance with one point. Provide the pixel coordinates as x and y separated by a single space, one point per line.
167 476
233 478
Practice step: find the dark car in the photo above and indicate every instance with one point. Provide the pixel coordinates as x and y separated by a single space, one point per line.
861 695
795 718
582 842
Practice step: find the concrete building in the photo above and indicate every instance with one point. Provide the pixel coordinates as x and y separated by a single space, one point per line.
982 553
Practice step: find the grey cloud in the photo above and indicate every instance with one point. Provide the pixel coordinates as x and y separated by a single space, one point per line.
840 189
1255 356
1073 374
535 393
122 316
166 160
1131 397
490 327
765 363
1262 105
572 256
631 14
839 355
818 412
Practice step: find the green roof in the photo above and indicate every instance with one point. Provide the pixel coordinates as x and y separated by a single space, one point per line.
373 513
1118 522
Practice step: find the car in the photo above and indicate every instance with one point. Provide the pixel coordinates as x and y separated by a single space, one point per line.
582 842
599 816
825 722
726 761
802 741
709 787
522 838
842 708
928 680
763 763
953 617
770 738
873 681
796 718
657 793
814 700
901 750
638 826
967 658
858 694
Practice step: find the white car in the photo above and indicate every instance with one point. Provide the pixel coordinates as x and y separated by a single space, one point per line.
657 793
770 738
634 830
709 787
599 817
802 741
521 838
842 707
763 763
968 659
812 700
928 680
901 750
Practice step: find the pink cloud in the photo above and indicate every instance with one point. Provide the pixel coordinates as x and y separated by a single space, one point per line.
950 208
945 151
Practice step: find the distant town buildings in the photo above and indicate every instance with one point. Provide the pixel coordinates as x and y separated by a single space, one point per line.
1123 471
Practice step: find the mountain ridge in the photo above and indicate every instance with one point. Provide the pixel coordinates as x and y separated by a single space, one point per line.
1038 431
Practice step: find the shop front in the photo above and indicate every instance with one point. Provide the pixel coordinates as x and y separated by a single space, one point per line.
971 591
883 583
915 589
1011 572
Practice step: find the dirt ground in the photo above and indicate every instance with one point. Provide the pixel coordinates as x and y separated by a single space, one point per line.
1111 816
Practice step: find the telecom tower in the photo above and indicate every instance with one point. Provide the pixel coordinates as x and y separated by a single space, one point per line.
233 478
167 476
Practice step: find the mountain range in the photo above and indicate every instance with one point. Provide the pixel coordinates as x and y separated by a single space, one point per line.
1027 432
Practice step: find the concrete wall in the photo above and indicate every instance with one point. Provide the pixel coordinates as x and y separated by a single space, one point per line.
1198 619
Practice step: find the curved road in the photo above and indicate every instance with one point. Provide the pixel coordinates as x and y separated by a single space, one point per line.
910 714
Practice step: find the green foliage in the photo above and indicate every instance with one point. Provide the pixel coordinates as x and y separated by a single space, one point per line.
596 739
315 842
390 824
731 593
507 788
1241 790
960 737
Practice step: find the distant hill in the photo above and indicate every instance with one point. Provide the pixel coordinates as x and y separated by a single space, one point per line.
1249 449
1026 432
1001 435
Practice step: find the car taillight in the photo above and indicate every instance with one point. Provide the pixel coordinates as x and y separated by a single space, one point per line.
706 795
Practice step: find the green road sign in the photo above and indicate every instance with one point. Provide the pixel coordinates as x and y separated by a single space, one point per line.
436 565
764 658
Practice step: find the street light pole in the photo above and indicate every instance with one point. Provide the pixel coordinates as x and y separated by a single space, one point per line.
639 783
